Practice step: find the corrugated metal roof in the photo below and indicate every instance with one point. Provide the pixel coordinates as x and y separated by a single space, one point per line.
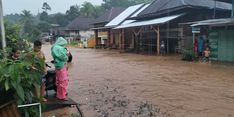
215 22
81 23
159 6
229 1
128 22
135 15
139 11
125 14
149 22
108 15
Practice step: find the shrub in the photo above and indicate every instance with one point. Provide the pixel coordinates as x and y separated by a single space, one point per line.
188 55
19 76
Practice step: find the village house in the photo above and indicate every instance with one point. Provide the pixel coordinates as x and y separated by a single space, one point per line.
101 32
121 19
220 36
80 29
159 23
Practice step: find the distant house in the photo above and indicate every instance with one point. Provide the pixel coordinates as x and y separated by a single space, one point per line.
55 31
160 22
80 29
220 36
121 19
101 33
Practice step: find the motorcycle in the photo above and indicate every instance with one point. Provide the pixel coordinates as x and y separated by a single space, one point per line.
50 82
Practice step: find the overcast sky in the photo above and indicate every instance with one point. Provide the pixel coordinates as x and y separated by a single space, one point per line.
17 6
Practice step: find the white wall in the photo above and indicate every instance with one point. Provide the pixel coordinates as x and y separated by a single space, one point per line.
85 35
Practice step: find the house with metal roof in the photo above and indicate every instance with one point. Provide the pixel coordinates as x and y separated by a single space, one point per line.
79 29
159 22
101 33
220 36
115 36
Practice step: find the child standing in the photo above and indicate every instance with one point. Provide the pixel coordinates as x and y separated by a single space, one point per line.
15 54
162 48
207 54
40 55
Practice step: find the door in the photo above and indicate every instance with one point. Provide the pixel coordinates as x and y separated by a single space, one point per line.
226 46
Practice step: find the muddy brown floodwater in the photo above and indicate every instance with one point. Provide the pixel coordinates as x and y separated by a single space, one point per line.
111 84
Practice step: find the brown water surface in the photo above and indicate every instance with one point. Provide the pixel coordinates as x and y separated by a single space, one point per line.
112 84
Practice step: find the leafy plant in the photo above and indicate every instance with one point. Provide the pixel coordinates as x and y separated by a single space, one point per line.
74 115
189 55
20 76
74 43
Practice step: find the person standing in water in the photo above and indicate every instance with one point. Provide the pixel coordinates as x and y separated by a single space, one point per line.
59 54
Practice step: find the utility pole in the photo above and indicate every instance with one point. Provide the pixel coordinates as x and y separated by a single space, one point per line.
2 26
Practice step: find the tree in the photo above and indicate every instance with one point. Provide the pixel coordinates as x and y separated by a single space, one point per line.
60 19
43 27
98 11
87 10
46 7
27 22
28 27
12 18
44 16
73 12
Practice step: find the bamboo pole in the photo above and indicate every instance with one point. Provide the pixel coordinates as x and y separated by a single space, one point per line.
120 39
158 38
123 39
158 41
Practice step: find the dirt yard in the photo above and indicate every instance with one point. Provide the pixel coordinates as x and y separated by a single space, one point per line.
111 84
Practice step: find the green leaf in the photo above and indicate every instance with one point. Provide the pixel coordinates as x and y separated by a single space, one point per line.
14 84
26 114
7 87
20 92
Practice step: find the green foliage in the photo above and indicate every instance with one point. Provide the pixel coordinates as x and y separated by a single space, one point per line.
87 10
12 18
189 55
29 29
61 19
43 26
5 53
74 115
44 16
20 76
33 26
30 111
73 12
14 38
74 43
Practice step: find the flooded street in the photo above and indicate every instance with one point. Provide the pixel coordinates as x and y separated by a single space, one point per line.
111 84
